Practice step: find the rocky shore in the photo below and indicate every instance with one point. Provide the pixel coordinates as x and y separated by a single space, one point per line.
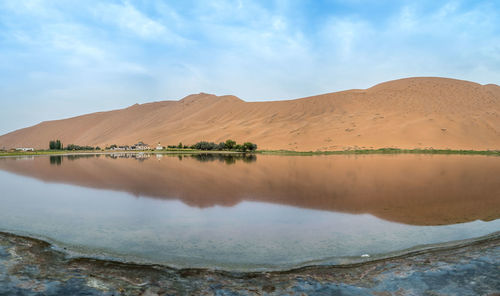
32 267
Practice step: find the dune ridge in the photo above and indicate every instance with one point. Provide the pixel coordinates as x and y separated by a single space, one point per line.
422 112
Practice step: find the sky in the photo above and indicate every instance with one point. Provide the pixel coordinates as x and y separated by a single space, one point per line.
64 58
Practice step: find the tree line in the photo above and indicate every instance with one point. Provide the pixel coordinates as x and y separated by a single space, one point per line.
228 145
57 145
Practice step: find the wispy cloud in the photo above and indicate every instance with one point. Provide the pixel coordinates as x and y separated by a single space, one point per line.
132 21
94 55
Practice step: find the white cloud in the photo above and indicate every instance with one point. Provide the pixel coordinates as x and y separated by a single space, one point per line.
131 20
99 54
446 10
407 20
344 37
70 38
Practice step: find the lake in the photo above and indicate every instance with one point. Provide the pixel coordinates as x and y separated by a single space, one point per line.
249 212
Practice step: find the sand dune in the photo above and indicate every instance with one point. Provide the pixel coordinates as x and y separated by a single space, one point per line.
408 113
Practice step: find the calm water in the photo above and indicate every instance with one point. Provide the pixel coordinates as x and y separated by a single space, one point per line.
249 212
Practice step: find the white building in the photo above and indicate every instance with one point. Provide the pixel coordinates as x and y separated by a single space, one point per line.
159 146
140 146
25 149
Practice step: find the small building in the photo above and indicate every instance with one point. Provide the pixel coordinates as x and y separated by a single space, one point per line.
25 149
140 146
159 146
121 148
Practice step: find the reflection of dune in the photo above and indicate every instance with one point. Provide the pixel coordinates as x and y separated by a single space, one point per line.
406 113
412 189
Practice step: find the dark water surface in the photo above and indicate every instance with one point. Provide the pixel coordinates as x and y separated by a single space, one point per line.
249 212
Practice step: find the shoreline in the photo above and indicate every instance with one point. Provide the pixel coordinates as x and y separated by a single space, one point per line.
30 265
69 252
92 152
381 151
263 152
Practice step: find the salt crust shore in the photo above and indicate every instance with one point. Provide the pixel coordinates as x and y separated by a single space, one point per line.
32 267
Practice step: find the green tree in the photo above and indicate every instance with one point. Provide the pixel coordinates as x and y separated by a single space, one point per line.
221 146
180 145
55 145
230 144
204 145
249 146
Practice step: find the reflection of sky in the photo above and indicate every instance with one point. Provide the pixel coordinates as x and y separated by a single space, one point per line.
174 233
62 58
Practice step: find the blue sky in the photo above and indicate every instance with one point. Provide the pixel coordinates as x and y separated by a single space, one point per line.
64 58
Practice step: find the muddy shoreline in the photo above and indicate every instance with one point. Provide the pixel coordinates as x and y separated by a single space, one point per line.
33 267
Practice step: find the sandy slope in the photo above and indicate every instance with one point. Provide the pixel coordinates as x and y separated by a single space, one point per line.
406 113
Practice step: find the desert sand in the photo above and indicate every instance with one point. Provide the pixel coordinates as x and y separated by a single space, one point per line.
425 112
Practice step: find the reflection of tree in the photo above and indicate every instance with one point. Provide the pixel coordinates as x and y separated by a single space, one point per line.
75 157
226 158
250 158
139 156
56 159
229 158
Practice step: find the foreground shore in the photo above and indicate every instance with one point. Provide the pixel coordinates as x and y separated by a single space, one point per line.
33 267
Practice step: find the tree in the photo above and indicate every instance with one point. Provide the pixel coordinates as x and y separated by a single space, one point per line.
180 145
55 145
204 145
249 146
221 146
230 144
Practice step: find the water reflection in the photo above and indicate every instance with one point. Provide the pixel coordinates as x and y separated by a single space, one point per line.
228 158
79 156
225 158
137 156
56 159
412 189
